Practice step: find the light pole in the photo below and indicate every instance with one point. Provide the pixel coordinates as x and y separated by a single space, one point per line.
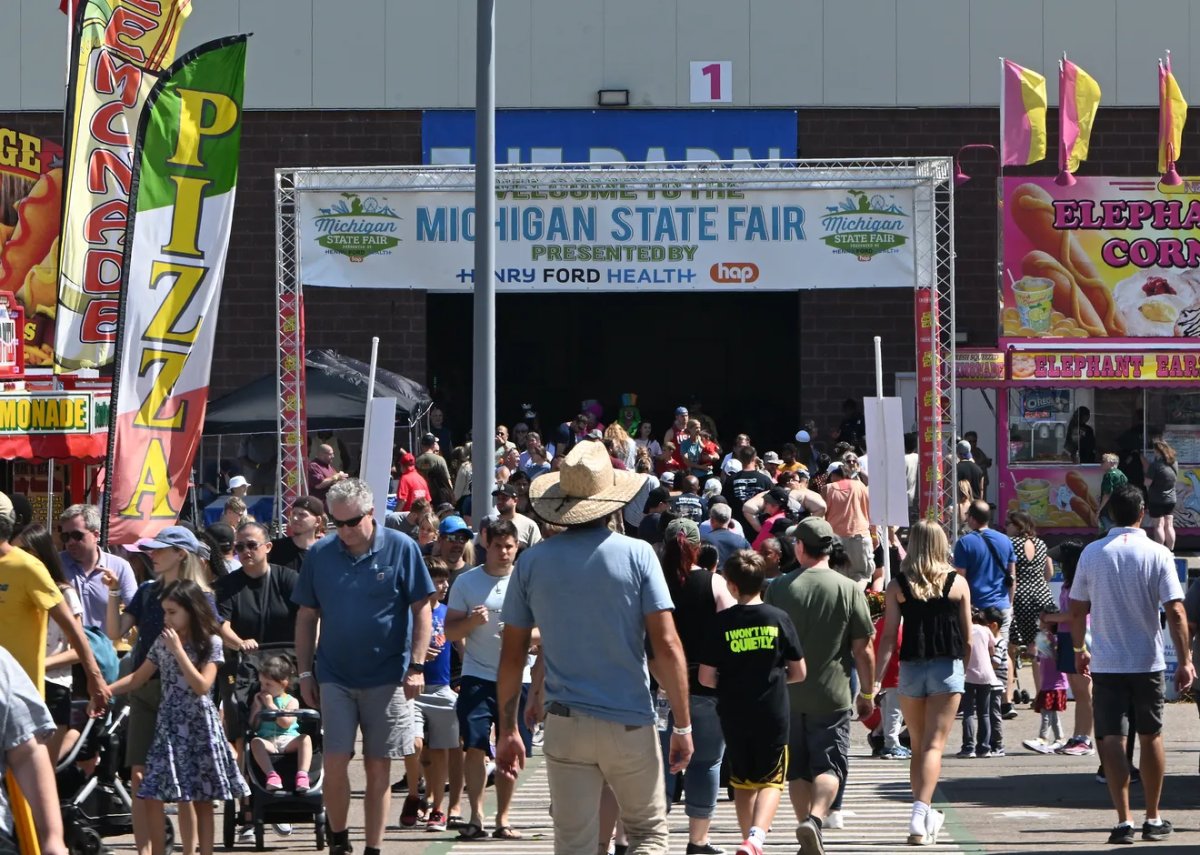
483 417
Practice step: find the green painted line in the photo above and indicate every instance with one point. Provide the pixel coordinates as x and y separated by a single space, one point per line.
963 838
444 845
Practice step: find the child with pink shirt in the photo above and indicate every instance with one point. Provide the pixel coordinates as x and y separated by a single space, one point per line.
1051 700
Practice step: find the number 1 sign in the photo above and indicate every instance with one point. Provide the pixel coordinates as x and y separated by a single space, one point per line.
712 82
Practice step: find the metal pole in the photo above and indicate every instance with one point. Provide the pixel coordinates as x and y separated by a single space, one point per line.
483 421
884 535
362 461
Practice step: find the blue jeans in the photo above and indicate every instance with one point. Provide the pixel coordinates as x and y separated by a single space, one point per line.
702 779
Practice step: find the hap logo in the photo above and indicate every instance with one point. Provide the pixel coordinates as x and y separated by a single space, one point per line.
739 272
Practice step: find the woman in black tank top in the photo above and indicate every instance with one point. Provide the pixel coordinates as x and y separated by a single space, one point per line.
698 595
935 603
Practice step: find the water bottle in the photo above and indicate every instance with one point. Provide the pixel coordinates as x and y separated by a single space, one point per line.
662 709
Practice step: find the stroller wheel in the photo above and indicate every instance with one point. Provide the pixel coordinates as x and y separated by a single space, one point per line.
319 826
91 842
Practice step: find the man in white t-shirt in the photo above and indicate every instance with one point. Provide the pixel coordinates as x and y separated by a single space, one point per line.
505 496
473 615
1122 580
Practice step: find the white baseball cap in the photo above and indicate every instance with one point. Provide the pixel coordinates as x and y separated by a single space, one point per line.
238 481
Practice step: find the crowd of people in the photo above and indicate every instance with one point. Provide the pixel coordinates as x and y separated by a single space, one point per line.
737 621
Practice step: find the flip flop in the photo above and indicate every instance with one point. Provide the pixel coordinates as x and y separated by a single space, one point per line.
471 831
506 832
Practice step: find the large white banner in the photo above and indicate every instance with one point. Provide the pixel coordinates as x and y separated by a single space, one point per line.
611 239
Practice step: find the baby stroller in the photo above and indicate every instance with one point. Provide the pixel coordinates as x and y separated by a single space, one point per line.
96 805
282 805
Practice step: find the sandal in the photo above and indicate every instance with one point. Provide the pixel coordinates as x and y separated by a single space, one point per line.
454 821
471 831
506 832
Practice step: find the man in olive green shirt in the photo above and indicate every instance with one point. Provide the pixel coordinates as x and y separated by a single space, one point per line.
833 623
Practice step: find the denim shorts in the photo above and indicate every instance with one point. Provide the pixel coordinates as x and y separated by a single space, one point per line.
921 678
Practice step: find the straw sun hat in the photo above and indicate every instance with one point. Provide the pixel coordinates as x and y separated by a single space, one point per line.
585 488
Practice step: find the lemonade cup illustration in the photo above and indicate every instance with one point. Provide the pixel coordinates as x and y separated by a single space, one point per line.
1033 494
1034 297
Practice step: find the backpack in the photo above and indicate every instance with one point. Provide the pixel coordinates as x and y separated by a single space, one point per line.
104 652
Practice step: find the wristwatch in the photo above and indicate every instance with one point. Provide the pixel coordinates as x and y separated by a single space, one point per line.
417 667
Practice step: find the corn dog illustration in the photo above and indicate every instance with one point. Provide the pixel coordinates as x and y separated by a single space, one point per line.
1086 512
1068 296
1079 487
1033 211
38 216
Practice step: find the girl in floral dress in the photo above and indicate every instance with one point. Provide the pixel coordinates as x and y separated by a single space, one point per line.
189 760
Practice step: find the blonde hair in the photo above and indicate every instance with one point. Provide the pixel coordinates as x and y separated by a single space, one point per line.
965 493
926 564
620 439
1110 458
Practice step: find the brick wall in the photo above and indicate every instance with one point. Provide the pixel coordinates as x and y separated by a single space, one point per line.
836 358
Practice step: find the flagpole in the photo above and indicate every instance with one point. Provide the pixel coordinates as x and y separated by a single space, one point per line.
1002 125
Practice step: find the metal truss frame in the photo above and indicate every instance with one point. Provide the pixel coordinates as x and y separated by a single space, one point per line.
933 222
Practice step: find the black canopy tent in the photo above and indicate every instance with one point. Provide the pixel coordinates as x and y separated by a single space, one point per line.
335 398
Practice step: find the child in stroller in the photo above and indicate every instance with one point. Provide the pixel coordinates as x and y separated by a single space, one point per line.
281 735
279 793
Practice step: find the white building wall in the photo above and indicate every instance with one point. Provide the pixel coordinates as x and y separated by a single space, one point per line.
413 54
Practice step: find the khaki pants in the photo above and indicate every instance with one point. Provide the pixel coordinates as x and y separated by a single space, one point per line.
581 754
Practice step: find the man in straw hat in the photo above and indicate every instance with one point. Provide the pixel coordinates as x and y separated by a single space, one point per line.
600 722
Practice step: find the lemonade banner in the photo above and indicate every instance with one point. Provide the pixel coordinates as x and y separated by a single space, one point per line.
1067 497
118 47
1112 258
184 181
1107 368
612 237
30 215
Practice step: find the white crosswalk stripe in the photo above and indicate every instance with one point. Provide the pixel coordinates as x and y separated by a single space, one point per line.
876 809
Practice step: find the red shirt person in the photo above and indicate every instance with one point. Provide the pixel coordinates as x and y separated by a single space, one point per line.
412 485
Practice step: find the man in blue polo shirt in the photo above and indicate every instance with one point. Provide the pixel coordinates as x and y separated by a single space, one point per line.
360 586
84 563
985 557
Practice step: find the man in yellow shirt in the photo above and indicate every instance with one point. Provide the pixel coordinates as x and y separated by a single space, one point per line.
790 463
27 596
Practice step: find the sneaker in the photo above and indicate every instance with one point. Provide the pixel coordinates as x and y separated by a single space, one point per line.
750 847
985 754
411 812
274 782
996 752
897 753
704 849
966 754
1135 775
1156 832
539 735
437 821
934 820
1008 712
835 820
875 740
808 835
400 786
245 834
1100 778
1039 745
302 783
283 829
1121 834
491 771
1078 746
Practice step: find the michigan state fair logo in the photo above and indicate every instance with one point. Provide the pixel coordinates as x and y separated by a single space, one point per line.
357 227
865 225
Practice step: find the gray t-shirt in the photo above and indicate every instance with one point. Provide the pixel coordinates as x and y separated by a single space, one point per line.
588 592
23 716
1126 577
481 648
1162 477
397 521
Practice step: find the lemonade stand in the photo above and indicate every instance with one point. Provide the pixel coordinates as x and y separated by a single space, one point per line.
1100 328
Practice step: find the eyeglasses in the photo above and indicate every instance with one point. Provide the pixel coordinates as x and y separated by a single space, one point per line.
76 536
246 545
353 521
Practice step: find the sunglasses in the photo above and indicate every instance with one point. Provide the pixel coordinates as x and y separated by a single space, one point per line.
76 536
457 538
353 521
246 545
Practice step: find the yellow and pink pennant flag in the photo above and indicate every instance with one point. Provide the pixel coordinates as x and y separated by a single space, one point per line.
1172 114
1078 100
1022 115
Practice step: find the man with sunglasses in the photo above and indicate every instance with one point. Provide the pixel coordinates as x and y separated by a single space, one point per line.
363 589
84 563
256 601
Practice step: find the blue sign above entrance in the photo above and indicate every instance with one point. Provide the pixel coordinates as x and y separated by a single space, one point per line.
613 136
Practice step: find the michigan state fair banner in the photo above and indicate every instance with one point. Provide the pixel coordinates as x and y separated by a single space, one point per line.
184 177
117 49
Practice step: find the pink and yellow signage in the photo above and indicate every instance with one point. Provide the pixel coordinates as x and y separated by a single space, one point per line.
1110 258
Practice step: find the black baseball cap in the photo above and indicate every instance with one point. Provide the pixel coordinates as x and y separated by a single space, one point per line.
778 497
656 497
505 490
311 504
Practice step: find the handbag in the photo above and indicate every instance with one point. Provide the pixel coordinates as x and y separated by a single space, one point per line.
1009 581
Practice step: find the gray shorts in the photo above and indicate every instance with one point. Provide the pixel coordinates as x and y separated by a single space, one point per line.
382 712
818 744
435 719
861 555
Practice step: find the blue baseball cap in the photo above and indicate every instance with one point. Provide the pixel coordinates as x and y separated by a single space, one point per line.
452 525
681 411
174 535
